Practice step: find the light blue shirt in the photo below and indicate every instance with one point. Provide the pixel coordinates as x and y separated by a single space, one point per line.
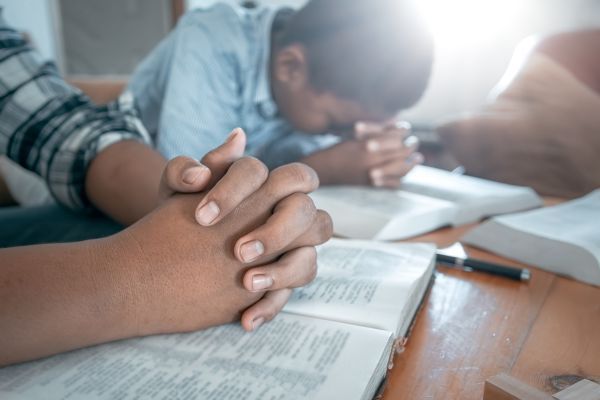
211 75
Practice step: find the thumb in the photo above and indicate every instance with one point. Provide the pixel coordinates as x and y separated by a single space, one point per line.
220 159
182 175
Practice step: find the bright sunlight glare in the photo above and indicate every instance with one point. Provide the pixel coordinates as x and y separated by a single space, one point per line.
460 22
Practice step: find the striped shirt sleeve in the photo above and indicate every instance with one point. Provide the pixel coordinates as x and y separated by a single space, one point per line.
52 128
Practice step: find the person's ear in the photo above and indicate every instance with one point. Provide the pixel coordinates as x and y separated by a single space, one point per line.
291 65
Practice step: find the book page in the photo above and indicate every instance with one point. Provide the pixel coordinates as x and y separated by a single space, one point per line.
369 213
372 284
291 357
475 197
563 238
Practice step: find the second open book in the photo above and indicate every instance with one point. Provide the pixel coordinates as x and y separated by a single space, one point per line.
429 198
332 341
564 239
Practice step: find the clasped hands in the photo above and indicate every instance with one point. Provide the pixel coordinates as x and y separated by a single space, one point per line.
251 241
374 154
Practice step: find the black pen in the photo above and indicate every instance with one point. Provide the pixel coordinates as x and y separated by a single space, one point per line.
471 264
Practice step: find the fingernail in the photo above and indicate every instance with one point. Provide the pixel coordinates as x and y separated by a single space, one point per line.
373 146
376 174
232 135
207 213
416 158
411 141
257 322
261 282
250 251
193 174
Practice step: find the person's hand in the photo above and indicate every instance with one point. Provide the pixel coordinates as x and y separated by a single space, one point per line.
187 175
232 180
186 277
378 155
395 146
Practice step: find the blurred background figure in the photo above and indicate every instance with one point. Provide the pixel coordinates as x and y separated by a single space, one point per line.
98 44
541 125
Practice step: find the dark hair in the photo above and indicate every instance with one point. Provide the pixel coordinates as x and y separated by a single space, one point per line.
376 52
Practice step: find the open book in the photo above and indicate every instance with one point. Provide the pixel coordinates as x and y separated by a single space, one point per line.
333 341
429 198
564 239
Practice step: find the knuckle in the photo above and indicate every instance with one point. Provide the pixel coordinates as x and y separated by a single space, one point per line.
212 157
325 226
270 311
274 238
300 269
304 205
179 160
315 182
300 173
254 166
242 178
175 164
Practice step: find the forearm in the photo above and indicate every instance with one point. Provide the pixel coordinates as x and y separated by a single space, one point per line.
54 298
326 172
123 180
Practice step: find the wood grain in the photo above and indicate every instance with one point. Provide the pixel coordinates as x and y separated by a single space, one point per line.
474 326
564 345
471 328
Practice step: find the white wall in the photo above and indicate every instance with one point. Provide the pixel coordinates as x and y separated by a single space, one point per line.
464 73
37 17
206 3
111 37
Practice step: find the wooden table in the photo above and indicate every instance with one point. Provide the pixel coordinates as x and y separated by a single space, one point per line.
474 326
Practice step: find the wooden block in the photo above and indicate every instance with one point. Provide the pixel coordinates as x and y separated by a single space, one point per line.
505 387
582 390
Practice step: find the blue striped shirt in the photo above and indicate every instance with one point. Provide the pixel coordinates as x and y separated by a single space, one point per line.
211 75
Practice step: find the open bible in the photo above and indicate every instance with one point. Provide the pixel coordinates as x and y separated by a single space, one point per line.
428 199
333 340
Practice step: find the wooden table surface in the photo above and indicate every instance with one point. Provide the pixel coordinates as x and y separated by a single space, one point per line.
474 326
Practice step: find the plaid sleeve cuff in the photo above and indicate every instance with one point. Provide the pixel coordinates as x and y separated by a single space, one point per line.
93 131
50 127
